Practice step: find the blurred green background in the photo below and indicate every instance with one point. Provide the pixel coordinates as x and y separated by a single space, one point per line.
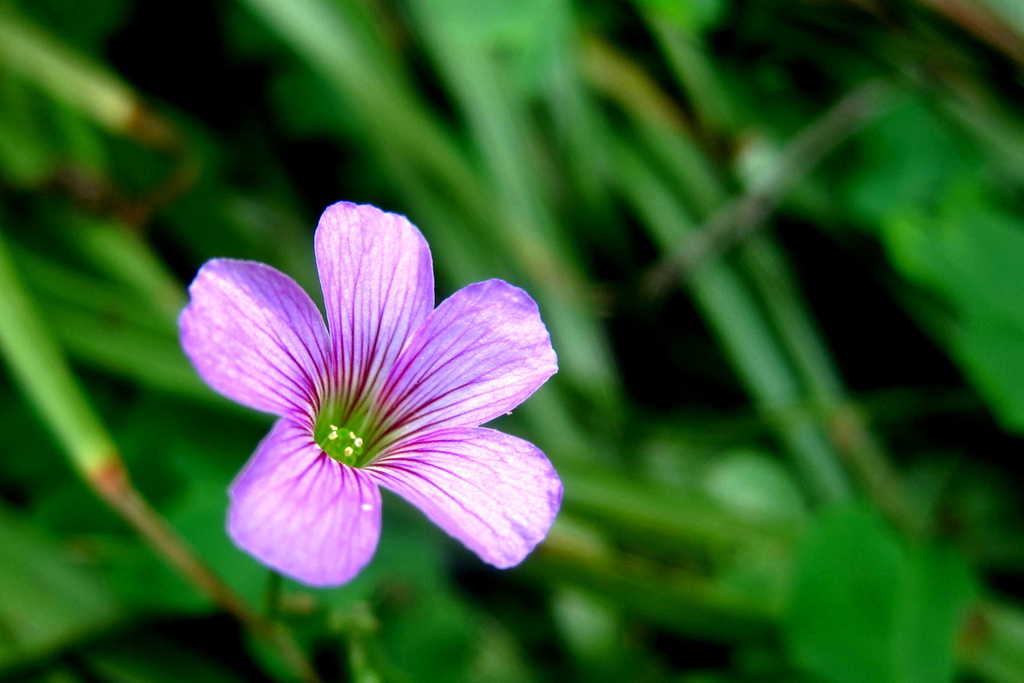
779 245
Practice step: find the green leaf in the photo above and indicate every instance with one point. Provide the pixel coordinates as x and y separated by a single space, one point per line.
968 253
840 621
864 609
929 193
37 363
910 159
935 591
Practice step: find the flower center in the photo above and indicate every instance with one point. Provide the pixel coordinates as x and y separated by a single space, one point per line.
342 444
344 438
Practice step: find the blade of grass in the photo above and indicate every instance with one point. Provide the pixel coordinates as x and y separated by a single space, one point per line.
37 363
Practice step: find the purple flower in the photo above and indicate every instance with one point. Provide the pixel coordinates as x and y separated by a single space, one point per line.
393 395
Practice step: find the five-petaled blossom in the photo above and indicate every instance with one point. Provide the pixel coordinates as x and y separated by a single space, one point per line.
392 395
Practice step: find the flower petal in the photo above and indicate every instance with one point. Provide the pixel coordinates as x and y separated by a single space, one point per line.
302 513
496 493
378 284
255 336
480 354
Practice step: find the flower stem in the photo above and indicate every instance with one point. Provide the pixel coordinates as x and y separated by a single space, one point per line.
113 485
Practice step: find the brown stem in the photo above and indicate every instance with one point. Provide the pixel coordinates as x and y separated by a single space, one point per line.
111 482
864 455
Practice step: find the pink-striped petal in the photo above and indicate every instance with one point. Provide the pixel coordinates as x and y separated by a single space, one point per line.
378 283
480 354
496 493
255 336
302 513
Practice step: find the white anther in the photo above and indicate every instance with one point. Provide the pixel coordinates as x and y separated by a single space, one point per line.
348 451
358 442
